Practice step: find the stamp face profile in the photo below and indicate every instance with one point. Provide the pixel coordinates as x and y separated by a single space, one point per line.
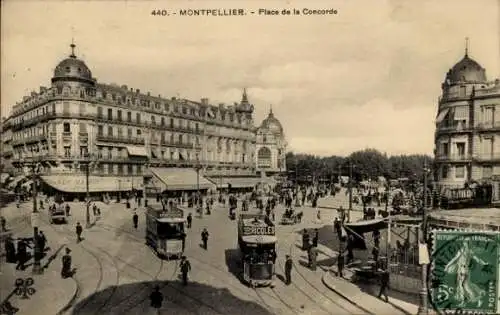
464 276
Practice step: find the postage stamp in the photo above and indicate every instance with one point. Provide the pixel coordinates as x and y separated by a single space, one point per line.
464 277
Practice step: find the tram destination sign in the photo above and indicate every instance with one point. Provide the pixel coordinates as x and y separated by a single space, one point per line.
170 214
258 230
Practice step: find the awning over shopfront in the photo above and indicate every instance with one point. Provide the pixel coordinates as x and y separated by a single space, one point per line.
78 184
174 179
136 151
442 115
235 182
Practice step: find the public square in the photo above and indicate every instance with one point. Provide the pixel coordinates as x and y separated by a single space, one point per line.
116 271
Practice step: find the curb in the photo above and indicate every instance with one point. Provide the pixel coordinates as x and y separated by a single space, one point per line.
71 300
341 294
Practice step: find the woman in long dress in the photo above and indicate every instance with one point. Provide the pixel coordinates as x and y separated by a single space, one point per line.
465 290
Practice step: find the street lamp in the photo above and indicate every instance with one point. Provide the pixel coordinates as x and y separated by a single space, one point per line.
350 192
423 308
88 161
37 267
198 199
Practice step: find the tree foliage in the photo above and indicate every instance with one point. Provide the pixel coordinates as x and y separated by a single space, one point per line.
367 164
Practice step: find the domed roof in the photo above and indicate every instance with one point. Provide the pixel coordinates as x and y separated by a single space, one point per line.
272 124
466 70
73 67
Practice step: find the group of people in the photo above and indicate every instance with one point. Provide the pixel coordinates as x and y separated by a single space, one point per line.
20 255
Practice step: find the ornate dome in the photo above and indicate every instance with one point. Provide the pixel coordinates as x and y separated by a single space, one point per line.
466 70
72 68
272 124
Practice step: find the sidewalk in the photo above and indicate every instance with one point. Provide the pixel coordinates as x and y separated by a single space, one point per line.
366 296
52 293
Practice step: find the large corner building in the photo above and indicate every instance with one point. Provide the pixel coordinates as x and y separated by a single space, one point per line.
467 138
122 133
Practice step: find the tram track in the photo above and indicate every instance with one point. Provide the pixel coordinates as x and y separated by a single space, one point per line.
202 264
315 288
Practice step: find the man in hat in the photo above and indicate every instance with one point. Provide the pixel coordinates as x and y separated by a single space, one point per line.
10 250
204 238
66 264
156 297
384 285
288 270
189 220
79 231
135 219
185 269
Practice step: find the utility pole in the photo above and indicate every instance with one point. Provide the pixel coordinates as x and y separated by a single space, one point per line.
87 201
350 193
423 307
37 268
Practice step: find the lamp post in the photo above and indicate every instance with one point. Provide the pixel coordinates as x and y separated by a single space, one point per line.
350 192
37 267
198 167
423 307
88 161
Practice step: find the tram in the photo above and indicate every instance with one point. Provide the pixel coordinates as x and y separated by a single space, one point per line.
165 230
57 213
257 245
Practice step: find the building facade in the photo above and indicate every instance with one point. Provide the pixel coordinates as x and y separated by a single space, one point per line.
120 131
270 147
467 137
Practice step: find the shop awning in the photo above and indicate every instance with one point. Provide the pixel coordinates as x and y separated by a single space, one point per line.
181 179
366 226
235 182
442 115
78 184
136 151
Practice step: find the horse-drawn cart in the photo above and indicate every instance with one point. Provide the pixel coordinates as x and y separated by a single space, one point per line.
291 217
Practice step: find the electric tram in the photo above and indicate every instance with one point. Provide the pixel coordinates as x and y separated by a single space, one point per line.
165 230
257 245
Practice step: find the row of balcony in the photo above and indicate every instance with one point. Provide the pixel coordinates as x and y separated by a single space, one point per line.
149 125
457 128
467 157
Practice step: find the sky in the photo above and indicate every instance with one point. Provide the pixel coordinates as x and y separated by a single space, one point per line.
366 77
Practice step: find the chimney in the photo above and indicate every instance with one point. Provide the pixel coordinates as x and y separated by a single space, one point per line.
173 98
149 93
25 98
159 95
131 90
137 91
235 103
124 87
204 101
43 89
33 93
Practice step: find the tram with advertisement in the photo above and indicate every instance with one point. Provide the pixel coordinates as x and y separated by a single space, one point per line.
257 244
165 230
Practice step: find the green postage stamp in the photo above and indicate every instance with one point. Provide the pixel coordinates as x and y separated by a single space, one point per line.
464 274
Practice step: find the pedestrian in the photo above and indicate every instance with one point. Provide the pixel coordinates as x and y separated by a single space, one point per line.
79 231
22 255
135 219
305 240
3 224
318 215
66 265
288 270
384 285
10 250
67 210
340 265
185 269
204 238
41 204
156 297
189 220
315 238
43 241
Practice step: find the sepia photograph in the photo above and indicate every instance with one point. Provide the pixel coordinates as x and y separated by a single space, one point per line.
253 157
